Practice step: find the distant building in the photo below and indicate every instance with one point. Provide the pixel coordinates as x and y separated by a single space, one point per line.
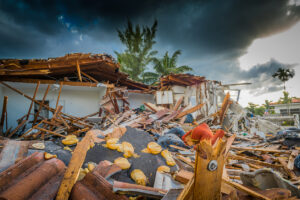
287 109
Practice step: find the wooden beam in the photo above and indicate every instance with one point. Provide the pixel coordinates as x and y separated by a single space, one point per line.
150 107
51 132
178 103
42 81
40 107
58 97
256 162
89 77
225 105
260 149
17 128
74 166
80 131
64 121
78 70
246 190
4 107
188 111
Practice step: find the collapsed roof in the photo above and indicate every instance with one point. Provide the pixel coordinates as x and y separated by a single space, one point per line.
181 80
74 69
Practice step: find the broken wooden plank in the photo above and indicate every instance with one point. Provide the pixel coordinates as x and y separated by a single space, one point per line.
51 132
292 157
178 103
40 107
17 128
80 131
256 162
289 172
150 107
64 121
225 105
89 77
246 190
188 111
260 149
75 164
183 176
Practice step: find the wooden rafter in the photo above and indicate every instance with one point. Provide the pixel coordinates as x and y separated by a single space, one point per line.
78 70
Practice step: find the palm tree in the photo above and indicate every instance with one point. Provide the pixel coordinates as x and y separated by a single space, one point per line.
284 75
138 53
164 66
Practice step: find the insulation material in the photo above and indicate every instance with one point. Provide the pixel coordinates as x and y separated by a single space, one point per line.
163 168
128 150
70 140
139 177
122 162
112 143
168 156
153 148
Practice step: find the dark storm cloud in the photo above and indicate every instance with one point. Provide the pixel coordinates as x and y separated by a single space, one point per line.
211 34
261 77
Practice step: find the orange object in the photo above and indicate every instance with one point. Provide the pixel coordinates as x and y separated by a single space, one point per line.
203 132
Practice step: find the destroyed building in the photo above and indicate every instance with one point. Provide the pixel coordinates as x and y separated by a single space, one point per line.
76 127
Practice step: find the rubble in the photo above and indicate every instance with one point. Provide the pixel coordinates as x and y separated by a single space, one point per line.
190 140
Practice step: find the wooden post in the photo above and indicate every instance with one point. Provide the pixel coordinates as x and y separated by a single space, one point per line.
3 113
206 184
75 164
57 101
208 170
34 95
40 107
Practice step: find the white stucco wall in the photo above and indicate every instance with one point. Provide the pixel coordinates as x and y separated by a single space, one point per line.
77 101
137 99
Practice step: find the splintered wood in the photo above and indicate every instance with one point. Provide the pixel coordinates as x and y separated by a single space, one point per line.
208 172
76 162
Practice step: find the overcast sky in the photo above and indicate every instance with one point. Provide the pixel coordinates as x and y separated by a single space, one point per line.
231 41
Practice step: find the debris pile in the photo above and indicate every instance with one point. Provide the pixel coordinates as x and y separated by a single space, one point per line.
190 141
